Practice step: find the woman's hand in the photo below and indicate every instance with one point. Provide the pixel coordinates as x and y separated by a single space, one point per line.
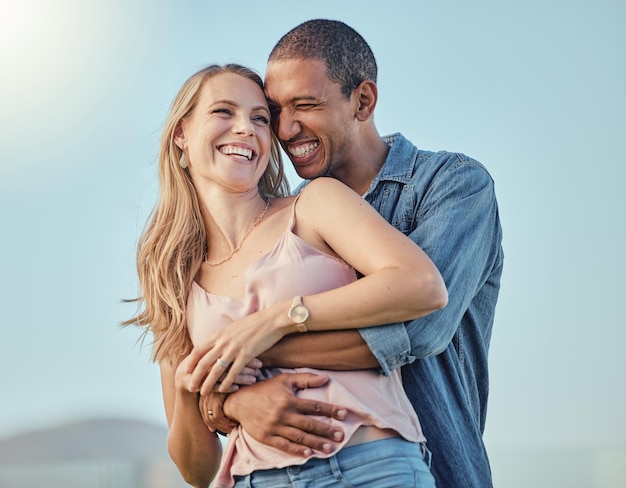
185 379
219 363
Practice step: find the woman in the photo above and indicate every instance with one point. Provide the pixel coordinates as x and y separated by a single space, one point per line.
228 267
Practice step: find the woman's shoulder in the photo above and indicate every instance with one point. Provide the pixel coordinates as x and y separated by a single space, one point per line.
326 197
325 185
280 203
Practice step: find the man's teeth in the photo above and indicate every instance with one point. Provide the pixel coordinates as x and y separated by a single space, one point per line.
239 151
301 151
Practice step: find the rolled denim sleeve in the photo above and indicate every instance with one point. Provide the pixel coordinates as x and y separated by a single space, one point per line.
456 223
390 344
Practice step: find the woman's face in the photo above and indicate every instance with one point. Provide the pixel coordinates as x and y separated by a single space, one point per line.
227 137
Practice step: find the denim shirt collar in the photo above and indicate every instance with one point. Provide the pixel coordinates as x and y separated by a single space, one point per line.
400 161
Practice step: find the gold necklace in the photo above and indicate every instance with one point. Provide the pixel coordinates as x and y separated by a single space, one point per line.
240 241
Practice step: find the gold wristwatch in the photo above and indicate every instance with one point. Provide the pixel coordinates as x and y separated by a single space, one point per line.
298 314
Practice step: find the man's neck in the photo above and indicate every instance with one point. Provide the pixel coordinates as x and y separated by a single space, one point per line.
363 166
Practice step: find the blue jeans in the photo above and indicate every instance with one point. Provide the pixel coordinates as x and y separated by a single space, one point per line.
386 463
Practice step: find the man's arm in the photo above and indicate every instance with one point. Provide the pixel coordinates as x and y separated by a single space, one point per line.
457 226
337 350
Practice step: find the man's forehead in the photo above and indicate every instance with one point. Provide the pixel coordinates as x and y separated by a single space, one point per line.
290 80
295 64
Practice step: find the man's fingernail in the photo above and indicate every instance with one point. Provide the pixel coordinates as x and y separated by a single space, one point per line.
337 435
327 447
341 413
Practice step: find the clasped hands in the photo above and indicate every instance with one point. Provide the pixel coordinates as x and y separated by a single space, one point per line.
272 413
269 410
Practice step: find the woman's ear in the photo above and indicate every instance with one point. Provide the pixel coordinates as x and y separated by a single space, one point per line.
367 96
179 136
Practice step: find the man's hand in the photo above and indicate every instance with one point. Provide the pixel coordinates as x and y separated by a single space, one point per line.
271 413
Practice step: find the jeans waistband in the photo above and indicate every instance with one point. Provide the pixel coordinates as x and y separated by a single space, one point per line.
359 454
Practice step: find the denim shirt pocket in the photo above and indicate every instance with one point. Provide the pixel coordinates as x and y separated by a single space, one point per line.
398 205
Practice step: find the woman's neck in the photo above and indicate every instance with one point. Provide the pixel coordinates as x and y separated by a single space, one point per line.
228 219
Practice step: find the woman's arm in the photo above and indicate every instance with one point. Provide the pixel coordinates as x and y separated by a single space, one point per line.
194 449
400 283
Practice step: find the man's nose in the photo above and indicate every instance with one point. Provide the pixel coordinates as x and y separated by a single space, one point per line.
287 126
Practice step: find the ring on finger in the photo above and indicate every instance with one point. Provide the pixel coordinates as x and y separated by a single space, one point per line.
210 412
222 363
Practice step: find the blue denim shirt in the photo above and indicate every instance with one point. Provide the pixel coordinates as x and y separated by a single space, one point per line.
446 203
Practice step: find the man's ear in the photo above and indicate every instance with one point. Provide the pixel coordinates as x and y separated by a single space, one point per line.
179 136
366 95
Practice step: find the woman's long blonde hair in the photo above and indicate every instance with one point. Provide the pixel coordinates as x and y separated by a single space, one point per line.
173 245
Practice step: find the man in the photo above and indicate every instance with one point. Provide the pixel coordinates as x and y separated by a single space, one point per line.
321 84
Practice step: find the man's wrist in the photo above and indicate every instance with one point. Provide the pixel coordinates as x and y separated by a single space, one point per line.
228 413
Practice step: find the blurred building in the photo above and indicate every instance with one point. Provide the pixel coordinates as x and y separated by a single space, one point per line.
90 454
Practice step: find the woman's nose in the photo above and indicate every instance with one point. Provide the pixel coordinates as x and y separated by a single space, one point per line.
243 126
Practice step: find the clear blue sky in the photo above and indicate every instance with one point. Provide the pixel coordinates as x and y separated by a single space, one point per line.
535 90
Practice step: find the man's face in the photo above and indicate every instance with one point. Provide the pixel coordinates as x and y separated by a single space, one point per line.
310 116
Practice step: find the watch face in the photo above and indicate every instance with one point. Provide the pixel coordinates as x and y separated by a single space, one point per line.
299 314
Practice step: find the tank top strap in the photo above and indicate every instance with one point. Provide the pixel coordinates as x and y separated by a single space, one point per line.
292 220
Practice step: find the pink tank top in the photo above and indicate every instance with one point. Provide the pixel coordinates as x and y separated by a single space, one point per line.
294 267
